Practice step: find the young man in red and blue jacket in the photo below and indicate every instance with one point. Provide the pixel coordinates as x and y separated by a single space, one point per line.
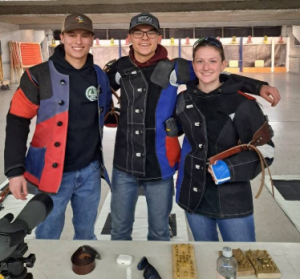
68 94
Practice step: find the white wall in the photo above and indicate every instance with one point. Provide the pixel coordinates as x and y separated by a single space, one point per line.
294 50
296 32
12 32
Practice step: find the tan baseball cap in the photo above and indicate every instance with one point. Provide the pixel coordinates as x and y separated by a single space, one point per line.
77 21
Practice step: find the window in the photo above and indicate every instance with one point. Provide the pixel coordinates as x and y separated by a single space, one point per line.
208 32
56 34
237 31
100 34
117 34
270 31
178 33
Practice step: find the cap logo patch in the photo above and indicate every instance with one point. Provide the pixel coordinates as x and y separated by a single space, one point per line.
146 19
79 19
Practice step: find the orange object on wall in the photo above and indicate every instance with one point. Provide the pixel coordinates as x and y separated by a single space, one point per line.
30 54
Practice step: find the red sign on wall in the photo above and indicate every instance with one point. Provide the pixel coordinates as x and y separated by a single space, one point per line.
30 54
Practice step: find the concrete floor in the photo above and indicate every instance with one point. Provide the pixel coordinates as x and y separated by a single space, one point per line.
272 225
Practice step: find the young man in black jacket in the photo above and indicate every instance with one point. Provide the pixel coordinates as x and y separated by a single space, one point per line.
144 155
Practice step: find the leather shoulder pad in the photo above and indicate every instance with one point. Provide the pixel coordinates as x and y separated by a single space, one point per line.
123 65
39 70
38 76
161 73
183 70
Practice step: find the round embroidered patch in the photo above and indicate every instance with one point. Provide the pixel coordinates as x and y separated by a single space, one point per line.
92 93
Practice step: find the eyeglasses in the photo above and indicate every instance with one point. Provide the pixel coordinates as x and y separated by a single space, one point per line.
151 34
211 40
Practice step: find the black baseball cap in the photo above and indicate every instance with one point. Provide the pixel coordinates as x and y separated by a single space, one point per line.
144 19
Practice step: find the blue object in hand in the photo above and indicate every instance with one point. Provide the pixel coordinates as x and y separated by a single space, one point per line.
221 172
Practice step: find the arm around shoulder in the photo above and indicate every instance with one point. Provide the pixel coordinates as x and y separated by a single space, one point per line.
259 88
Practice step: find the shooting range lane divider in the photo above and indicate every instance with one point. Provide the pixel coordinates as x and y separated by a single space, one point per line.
1 68
241 55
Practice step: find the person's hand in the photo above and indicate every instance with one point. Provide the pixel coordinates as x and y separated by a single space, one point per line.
270 94
18 187
211 172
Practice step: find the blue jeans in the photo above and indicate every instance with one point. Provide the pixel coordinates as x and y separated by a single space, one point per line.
234 229
82 188
159 197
